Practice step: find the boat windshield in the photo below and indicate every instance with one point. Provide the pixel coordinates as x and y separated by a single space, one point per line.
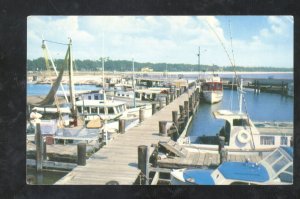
280 164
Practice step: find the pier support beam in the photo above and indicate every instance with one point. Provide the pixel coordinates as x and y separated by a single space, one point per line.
186 108
167 99
39 148
81 154
163 128
160 104
153 108
121 126
142 162
141 115
175 118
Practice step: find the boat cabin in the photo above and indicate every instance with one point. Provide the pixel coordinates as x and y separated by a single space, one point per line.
109 110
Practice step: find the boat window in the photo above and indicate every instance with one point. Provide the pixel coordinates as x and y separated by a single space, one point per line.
280 164
87 109
137 95
148 96
267 140
283 140
110 110
89 97
101 109
117 109
94 110
272 158
240 122
79 109
96 97
290 169
285 177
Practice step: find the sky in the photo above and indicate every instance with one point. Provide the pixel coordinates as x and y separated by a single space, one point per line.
223 40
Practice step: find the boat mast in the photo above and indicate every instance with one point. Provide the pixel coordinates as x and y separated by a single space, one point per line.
71 85
199 62
241 96
133 84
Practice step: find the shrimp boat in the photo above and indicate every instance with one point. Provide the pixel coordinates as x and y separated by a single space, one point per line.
212 89
241 134
275 169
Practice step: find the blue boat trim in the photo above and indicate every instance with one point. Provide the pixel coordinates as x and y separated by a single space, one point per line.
197 176
246 171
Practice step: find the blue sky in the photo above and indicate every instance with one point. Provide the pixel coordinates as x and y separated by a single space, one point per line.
256 40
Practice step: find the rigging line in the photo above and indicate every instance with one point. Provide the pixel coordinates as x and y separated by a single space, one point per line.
231 95
248 121
55 42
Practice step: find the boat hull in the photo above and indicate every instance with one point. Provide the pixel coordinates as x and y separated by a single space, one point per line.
213 96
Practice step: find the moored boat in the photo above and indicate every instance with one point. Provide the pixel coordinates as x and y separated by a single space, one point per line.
212 89
275 169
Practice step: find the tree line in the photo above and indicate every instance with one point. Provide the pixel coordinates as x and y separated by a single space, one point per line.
125 65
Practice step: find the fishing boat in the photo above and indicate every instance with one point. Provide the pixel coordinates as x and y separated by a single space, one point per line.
212 89
275 169
241 134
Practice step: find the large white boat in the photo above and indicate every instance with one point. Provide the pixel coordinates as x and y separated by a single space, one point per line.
241 134
212 89
275 169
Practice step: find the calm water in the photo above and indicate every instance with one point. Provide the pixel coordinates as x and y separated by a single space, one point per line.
48 177
262 107
43 89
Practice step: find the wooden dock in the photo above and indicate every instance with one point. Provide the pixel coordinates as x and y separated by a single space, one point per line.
118 161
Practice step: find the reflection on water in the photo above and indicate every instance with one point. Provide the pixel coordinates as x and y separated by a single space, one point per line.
262 107
46 178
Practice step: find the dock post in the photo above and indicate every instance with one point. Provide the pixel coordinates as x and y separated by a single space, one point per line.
81 154
160 104
291 142
39 148
171 97
178 93
175 118
142 162
121 126
167 99
222 149
186 108
181 110
141 115
191 108
45 150
153 108
163 128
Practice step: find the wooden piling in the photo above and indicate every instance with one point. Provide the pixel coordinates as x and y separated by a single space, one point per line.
163 128
181 110
39 148
175 118
81 154
167 100
153 108
141 115
121 126
221 149
160 104
178 93
186 108
45 150
142 161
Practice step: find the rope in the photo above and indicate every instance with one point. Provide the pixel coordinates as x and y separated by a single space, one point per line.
55 42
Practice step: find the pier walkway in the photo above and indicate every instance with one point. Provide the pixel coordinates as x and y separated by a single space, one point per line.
118 161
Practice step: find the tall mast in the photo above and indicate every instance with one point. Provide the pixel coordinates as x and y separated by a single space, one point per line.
133 84
241 96
199 62
71 86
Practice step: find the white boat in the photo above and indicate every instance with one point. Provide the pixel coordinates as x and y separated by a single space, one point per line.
212 89
241 134
275 169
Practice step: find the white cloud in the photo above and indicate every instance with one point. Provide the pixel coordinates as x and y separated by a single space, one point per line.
173 39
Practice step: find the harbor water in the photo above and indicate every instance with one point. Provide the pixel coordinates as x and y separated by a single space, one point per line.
260 107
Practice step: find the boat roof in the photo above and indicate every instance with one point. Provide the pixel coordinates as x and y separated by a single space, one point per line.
199 176
108 103
245 171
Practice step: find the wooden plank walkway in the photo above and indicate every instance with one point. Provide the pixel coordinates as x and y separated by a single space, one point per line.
118 160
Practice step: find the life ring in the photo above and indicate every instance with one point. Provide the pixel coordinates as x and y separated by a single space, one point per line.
243 137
